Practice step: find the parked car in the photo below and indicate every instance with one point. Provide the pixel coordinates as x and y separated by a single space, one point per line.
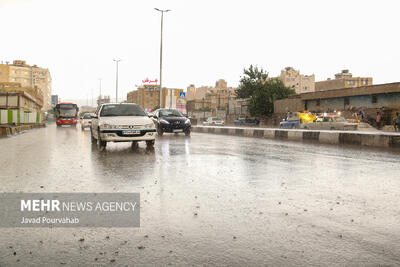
171 121
124 122
331 122
86 120
246 121
214 121
292 121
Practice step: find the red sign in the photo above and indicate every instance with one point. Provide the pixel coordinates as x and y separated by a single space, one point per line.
149 81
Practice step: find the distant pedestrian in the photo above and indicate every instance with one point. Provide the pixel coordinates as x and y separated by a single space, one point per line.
378 120
397 122
361 114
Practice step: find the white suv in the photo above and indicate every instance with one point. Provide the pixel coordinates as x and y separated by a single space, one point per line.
122 123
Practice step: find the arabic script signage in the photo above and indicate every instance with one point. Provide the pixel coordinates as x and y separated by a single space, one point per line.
149 81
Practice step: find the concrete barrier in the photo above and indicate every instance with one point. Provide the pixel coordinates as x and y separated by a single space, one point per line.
9 130
369 139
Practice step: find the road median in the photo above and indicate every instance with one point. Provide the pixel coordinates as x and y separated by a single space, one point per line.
369 139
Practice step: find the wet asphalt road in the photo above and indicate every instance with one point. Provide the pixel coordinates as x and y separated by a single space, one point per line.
258 202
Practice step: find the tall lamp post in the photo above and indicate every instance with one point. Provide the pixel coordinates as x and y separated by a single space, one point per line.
162 16
100 91
116 80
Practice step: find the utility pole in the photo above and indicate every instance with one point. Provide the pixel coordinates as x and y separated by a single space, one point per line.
116 81
161 41
100 91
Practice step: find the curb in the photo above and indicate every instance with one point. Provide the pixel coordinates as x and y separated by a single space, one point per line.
383 140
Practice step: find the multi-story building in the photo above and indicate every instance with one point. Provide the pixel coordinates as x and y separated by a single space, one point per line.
28 76
201 93
148 97
209 98
342 80
299 82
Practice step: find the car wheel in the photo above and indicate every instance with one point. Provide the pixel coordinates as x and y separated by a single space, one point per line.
187 133
102 144
135 145
150 144
159 131
94 140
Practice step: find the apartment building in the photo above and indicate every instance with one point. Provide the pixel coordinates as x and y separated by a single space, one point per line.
299 82
343 79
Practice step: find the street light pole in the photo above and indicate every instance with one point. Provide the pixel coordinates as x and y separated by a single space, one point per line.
100 91
116 81
161 41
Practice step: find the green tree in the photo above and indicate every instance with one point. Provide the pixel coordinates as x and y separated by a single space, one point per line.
261 91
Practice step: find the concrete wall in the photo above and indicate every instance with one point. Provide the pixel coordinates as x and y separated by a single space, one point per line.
288 104
329 84
389 100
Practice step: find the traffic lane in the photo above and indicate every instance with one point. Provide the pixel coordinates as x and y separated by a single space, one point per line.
210 199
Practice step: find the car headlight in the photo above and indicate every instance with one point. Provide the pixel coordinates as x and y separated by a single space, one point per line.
106 126
149 126
187 121
164 121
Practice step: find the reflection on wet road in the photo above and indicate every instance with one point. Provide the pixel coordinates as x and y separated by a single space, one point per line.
210 200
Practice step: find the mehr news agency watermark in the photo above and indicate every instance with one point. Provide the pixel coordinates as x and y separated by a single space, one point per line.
69 210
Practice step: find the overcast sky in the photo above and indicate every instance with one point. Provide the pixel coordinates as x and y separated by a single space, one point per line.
203 40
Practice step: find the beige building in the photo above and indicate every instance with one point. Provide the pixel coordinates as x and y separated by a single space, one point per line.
342 80
148 96
299 82
221 88
28 76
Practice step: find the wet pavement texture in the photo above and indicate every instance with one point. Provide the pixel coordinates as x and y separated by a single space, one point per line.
209 200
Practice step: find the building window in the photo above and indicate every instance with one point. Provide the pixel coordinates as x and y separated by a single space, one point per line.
374 99
365 82
347 100
305 88
351 82
318 102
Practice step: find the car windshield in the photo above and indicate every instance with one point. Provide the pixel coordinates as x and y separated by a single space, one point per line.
170 113
87 116
121 110
216 119
339 119
67 112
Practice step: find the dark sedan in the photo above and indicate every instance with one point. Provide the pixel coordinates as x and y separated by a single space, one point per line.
170 121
